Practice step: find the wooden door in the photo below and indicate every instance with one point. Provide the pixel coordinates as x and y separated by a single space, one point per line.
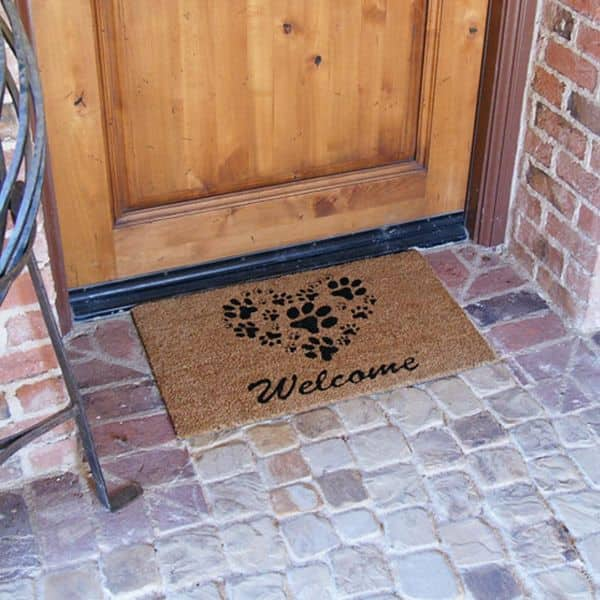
184 131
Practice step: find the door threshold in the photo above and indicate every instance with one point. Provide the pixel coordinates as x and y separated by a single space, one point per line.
106 298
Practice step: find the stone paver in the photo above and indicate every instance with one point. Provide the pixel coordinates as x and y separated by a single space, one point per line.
484 484
379 447
129 568
426 575
308 535
472 542
254 546
360 569
409 528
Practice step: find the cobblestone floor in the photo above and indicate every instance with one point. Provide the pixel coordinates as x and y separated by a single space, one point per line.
485 485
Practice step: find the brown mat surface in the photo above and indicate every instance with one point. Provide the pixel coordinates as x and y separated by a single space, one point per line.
249 352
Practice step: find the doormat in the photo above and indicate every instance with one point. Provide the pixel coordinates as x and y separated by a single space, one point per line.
249 352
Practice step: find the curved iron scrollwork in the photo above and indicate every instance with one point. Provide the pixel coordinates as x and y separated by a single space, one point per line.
21 177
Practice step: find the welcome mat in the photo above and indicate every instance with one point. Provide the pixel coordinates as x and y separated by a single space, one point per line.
248 352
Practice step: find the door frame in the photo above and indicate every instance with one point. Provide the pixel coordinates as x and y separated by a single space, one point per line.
507 48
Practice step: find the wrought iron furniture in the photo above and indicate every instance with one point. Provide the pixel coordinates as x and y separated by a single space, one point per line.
21 180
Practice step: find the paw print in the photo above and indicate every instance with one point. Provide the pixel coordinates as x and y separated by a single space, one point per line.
270 338
292 342
282 298
311 318
248 329
309 294
270 315
323 348
239 309
347 289
348 331
361 312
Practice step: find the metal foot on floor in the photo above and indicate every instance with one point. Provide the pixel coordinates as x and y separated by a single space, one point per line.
75 410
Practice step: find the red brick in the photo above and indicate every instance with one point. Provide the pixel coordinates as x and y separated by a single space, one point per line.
119 338
578 281
26 327
589 222
123 401
580 248
538 149
27 363
537 243
21 293
119 437
585 111
590 8
588 41
562 200
527 333
98 372
152 467
528 205
448 268
595 162
494 281
551 361
41 395
561 130
558 294
522 256
577 177
576 68
60 455
548 86
558 20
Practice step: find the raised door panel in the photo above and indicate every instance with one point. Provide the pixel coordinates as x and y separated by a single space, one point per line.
219 96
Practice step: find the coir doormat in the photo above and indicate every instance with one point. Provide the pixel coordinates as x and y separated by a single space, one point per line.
244 353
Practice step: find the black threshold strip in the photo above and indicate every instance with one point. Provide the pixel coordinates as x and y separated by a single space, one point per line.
106 298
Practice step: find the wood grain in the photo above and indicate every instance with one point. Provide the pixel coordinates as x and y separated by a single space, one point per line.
208 97
76 140
457 71
289 219
208 128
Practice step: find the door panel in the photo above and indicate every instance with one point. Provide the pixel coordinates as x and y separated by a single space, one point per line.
242 94
183 131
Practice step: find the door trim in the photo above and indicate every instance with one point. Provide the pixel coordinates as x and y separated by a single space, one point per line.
498 118
105 298
505 66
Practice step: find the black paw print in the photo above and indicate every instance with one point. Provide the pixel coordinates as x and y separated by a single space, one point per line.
348 331
248 329
346 289
310 318
309 294
270 315
316 347
361 312
270 338
282 298
292 342
239 309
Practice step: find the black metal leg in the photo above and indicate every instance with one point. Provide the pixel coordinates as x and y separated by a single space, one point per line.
128 492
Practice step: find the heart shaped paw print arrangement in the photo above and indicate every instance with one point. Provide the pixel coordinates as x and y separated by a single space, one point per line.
316 320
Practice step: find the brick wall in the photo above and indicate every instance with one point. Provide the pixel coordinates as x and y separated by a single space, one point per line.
555 231
30 384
